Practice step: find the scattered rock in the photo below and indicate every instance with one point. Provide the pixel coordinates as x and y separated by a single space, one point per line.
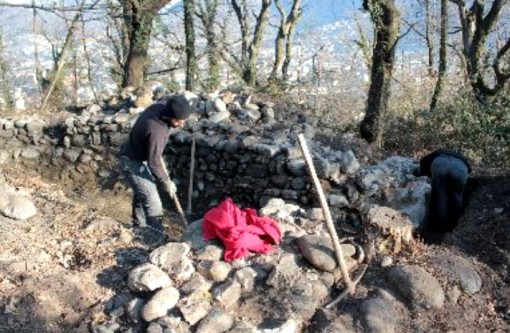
134 309
154 327
386 261
391 228
454 294
228 293
16 206
417 286
148 277
196 284
285 272
159 304
173 259
109 327
217 321
194 307
459 270
319 251
216 271
246 278
379 315
210 252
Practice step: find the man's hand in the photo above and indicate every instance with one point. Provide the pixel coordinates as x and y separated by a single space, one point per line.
170 188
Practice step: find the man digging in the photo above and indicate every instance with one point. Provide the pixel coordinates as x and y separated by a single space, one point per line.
141 162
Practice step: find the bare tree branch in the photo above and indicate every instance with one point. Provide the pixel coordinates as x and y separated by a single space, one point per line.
53 9
167 70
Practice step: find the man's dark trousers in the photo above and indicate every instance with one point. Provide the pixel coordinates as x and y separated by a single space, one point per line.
147 209
449 177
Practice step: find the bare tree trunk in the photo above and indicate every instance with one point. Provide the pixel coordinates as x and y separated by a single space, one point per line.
189 31
87 59
75 77
207 15
139 37
138 18
428 39
386 23
283 42
442 56
242 18
250 73
214 65
117 33
288 54
477 22
250 49
59 63
38 72
279 45
4 81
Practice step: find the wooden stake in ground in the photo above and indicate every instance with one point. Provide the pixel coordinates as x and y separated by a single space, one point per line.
350 285
191 171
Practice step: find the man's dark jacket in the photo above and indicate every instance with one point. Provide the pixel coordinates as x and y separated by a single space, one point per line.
148 139
427 160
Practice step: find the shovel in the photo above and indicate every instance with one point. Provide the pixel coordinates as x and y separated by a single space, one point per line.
178 207
175 200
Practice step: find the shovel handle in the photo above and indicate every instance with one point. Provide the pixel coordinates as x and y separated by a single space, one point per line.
179 210
177 204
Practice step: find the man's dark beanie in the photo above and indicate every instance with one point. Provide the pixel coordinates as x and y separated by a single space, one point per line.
177 107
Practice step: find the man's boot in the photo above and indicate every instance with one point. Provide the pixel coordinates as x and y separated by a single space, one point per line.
153 233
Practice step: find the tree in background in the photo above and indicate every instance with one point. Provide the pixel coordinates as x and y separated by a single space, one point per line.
385 18
442 55
207 11
118 37
429 37
477 22
5 87
54 78
189 32
425 15
138 16
87 59
283 42
167 67
251 41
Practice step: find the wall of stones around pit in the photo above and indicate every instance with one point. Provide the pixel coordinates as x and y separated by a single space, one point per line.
230 159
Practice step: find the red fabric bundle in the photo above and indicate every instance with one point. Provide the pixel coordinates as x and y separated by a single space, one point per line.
240 231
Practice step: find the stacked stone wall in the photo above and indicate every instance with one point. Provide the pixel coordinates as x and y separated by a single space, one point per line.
230 160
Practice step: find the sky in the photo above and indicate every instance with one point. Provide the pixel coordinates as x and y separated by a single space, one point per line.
324 10
332 10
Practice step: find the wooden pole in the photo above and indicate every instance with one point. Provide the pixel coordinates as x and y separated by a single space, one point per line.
191 171
351 287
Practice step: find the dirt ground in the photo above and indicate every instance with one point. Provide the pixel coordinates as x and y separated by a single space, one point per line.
484 233
58 269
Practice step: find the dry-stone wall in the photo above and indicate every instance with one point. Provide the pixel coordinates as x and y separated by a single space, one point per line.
243 150
230 159
24 138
